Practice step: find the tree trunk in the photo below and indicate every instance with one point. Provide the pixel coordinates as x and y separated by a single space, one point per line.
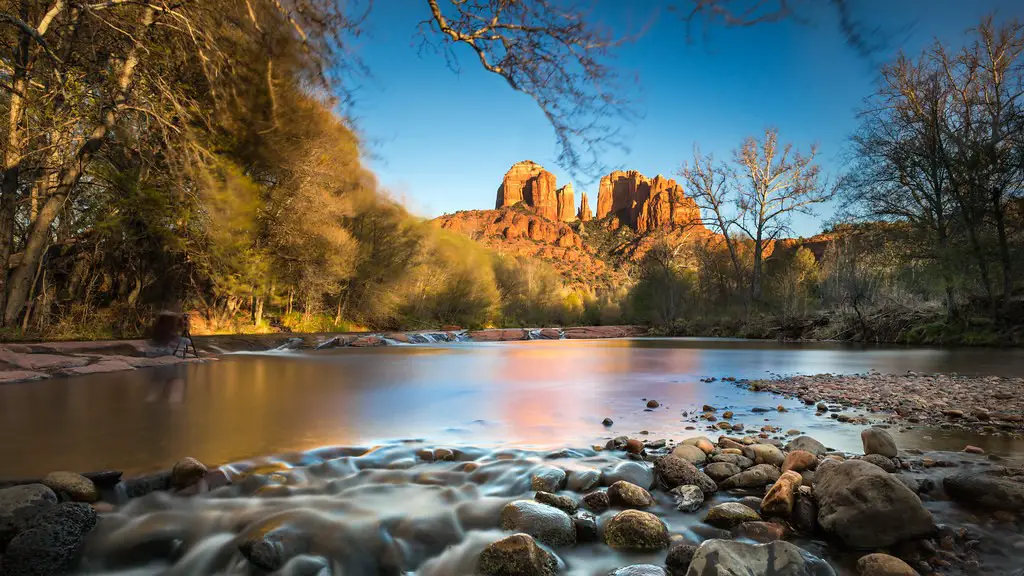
67 180
755 281
1004 248
258 312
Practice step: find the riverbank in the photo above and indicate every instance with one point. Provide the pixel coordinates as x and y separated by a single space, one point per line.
26 361
987 405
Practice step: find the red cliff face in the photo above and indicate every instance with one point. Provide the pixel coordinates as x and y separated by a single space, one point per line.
644 204
566 203
529 183
584 215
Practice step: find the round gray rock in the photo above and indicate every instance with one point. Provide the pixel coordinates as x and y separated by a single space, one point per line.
878 441
867 507
719 471
20 504
632 472
883 462
50 542
639 570
691 453
688 498
806 443
547 479
545 523
729 514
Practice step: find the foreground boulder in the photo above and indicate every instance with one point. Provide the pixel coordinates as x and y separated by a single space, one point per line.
545 523
985 491
19 504
636 530
50 542
691 453
516 555
866 507
675 471
632 472
688 498
779 558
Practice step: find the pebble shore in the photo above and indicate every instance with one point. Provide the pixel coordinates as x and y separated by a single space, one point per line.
980 404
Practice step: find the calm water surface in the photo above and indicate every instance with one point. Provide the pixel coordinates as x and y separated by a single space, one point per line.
538 394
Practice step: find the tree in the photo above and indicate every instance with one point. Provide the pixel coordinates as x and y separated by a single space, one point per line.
778 183
710 184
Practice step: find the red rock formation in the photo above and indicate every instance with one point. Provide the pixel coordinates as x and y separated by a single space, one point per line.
529 183
584 215
566 203
520 233
643 203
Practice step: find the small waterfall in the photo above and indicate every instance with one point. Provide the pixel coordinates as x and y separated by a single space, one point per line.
390 342
533 334
289 345
330 343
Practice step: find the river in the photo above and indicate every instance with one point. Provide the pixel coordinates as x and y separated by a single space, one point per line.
528 395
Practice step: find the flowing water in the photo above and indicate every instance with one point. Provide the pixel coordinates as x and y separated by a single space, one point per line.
505 408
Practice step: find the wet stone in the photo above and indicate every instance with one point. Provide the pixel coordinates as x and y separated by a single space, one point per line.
629 495
547 479
729 514
680 554
688 498
516 555
632 472
636 530
563 503
597 501
545 523
72 486
586 527
19 504
639 570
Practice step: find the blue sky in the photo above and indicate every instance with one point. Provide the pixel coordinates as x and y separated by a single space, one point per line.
441 141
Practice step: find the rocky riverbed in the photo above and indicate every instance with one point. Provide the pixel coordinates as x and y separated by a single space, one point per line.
630 506
990 405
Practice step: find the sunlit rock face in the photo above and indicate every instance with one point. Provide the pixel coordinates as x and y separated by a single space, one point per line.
645 204
566 203
529 183
584 215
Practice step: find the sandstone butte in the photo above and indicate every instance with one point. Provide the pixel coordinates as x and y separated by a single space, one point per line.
535 218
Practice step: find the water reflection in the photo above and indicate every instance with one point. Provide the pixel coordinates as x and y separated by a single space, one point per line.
532 394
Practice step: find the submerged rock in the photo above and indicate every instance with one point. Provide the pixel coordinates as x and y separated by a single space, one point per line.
636 530
867 507
639 570
545 523
597 501
779 558
516 555
985 491
632 472
547 479
761 531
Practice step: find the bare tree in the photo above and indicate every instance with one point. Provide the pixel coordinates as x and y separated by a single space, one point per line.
712 186
778 183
